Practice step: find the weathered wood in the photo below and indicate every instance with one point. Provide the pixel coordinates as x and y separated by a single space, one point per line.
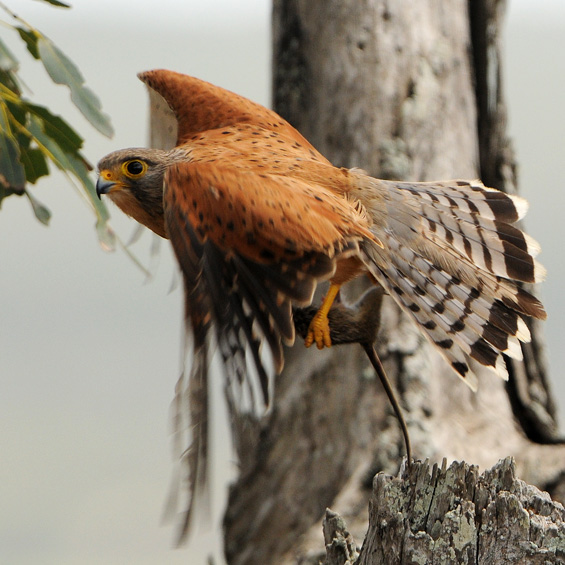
453 515
340 545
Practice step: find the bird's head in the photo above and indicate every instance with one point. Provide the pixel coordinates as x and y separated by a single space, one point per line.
133 180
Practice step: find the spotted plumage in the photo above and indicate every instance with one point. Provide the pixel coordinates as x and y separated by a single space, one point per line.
257 218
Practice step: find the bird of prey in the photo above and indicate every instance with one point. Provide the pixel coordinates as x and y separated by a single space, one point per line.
257 218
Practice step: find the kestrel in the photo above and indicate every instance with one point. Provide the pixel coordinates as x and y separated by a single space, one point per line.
258 217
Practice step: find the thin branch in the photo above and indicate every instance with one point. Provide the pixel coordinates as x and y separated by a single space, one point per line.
387 385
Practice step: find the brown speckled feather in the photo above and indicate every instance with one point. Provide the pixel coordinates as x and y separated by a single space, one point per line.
200 106
261 216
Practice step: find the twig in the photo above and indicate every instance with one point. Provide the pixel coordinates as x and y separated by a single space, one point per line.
387 385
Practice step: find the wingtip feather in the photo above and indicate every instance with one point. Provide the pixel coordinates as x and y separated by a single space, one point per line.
521 205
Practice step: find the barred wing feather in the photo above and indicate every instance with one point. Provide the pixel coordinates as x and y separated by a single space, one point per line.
453 260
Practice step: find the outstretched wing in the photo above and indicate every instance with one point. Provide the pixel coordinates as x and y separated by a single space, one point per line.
200 106
250 245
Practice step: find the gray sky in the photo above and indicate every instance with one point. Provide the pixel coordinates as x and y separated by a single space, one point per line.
89 353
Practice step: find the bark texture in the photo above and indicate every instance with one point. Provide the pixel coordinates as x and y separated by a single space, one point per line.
398 89
453 515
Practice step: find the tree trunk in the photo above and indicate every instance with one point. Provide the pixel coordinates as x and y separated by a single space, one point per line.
406 90
453 515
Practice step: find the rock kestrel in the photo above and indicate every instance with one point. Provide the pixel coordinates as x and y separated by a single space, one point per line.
257 217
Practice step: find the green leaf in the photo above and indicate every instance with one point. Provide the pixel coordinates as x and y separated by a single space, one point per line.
63 71
9 80
3 194
30 37
60 68
89 104
23 140
57 3
56 128
55 153
8 61
41 212
12 173
34 164
17 111
75 164
106 236
79 169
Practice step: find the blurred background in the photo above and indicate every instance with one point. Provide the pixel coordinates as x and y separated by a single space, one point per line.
90 350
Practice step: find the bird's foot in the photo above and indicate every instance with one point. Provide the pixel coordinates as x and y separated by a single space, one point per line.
319 331
319 328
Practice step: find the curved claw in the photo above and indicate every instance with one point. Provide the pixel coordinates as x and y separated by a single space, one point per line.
319 331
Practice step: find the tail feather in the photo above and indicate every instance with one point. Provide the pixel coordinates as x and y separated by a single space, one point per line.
455 311
444 320
501 250
482 305
472 197
495 228
475 232
453 261
453 355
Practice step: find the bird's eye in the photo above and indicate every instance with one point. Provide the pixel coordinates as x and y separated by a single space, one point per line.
134 168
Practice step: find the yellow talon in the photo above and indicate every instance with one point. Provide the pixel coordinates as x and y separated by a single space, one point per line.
319 329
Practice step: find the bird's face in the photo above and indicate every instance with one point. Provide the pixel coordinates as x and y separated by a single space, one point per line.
133 180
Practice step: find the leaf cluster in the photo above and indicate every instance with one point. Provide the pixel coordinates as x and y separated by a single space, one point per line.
31 136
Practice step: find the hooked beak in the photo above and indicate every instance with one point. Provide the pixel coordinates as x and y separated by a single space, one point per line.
104 186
